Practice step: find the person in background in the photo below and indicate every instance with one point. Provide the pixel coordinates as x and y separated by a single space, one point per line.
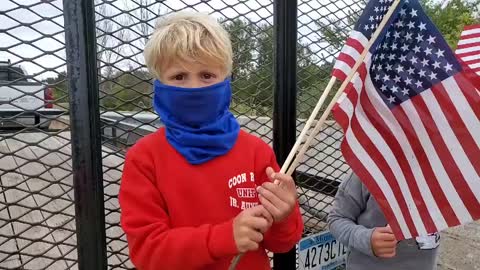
357 222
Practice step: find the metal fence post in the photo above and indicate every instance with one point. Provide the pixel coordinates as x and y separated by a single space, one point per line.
85 133
284 112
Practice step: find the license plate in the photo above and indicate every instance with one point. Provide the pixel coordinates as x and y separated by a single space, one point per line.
321 252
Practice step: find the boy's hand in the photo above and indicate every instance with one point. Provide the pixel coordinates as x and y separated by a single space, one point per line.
279 196
249 227
384 244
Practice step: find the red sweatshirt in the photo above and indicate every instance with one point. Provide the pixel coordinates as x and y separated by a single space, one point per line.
180 216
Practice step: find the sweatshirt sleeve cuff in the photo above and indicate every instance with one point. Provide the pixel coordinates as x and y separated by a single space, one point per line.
221 242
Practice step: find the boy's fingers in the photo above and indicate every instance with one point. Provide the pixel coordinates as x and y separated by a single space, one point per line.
270 173
256 211
387 244
260 211
257 223
272 193
386 230
256 236
283 194
269 206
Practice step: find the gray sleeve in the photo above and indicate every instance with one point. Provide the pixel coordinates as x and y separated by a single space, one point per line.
349 203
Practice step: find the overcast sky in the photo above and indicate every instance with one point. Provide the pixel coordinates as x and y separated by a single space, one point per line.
38 46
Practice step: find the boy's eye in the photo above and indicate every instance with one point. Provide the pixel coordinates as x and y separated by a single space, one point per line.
179 77
207 76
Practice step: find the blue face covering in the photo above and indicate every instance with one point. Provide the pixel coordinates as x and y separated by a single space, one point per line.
198 122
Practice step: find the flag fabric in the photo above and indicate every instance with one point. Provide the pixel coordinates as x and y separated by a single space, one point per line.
468 48
411 123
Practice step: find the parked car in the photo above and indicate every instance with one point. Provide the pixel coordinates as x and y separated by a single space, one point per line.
24 103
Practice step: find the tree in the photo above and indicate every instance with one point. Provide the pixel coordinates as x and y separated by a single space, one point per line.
451 19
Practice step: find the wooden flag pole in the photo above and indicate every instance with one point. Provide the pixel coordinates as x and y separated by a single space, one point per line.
344 85
308 124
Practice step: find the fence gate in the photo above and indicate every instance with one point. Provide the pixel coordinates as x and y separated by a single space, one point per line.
63 138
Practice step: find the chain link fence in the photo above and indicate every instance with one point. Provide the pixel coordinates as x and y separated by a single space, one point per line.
323 27
37 213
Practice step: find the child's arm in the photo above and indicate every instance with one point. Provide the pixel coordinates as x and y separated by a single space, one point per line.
348 205
153 244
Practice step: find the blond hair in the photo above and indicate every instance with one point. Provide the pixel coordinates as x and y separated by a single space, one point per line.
188 36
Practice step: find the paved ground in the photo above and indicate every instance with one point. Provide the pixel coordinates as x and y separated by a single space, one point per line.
461 248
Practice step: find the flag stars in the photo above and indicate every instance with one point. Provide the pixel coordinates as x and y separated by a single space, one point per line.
428 51
422 26
421 73
411 25
391 99
413 13
413 60
411 70
416 49
396 35
404 47
436 65
448 67
403 58
418 84
391 57
419 38
396 79
405 91
425 62
399 68
377 77
394 89
433 76
399 24
408 81
403 12
388 67
386 78
408 36
440 53
431 40
383 88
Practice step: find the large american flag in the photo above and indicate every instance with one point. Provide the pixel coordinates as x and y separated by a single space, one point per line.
411 122
468 48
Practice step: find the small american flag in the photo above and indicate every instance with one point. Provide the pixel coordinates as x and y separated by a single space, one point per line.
411 122
468 48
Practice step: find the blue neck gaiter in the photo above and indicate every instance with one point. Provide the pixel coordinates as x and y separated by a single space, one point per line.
198 122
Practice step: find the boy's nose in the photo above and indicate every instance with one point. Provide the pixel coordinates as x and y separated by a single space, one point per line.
194 84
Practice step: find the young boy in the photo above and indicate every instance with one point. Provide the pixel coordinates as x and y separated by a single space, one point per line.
357 221
200 191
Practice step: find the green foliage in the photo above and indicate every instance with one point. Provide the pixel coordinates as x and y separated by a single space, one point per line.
452 19
253 62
